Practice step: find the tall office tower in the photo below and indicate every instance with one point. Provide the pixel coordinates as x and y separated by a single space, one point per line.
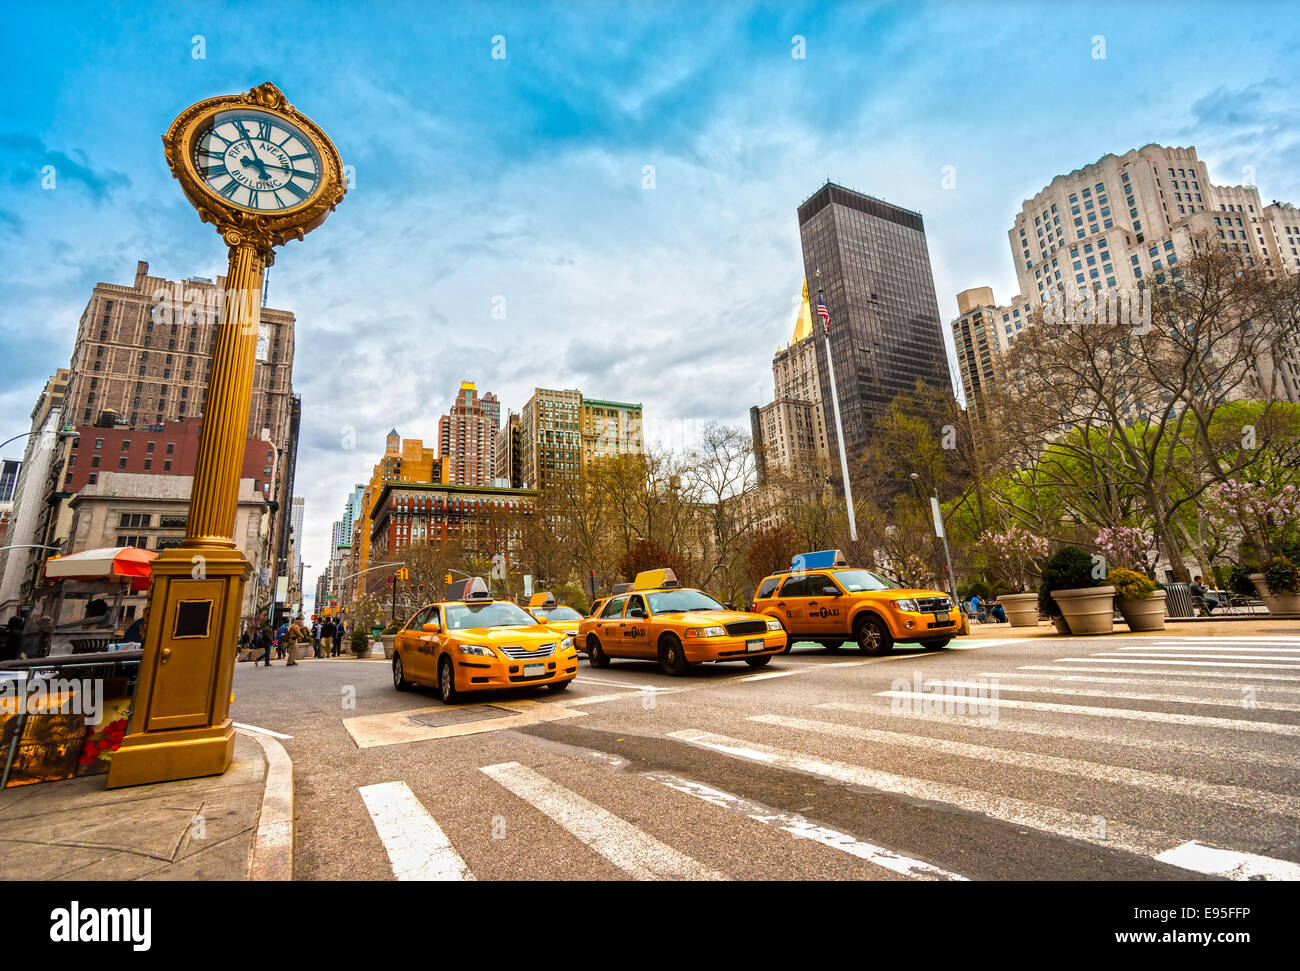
790 431
975 335
610 429
550 439
295 541
508 471
1127 219
467 437
885 329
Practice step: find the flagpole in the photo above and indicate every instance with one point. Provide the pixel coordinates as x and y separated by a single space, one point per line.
835 401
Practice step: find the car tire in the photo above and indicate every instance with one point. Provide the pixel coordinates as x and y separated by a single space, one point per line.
832 645
447 682
555 687
758 662
872 635
935 643
672 659
399 679
596 655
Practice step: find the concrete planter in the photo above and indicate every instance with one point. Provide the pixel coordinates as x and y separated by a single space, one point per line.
1277 603
1021 608
388 640
1144 615
1088 610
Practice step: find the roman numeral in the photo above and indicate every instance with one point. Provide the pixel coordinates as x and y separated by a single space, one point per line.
242 130
252 199
295 158
294 188
229 189
264 130
213 171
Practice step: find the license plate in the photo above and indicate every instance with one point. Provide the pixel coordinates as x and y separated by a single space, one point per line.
754 645
942 618
532 670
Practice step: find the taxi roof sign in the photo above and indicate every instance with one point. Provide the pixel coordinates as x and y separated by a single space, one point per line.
820 560
654 580
619 588
468 590
543 599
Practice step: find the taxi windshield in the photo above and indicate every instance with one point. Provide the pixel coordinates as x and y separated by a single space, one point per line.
675 601
499 613
855 581
557 613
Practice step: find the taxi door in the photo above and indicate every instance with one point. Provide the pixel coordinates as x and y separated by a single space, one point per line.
826 606
635 630
610 626
792 605
417 656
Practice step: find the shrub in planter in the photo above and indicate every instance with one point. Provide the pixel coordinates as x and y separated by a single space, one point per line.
1281 576
1069 568
360 643
1072 596
392 628
1140 600
1239 581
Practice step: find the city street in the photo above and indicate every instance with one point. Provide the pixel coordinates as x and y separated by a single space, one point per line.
1164 757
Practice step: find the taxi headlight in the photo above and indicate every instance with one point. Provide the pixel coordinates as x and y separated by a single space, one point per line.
911 605
773 625
707 632
476 649
566 644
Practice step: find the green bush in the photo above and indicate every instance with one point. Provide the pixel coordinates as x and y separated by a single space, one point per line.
1069 568
1130 585
1239 581
360 643
392 628
1281 576
977 589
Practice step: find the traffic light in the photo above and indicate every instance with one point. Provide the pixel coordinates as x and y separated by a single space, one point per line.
392 578
447 579
404 574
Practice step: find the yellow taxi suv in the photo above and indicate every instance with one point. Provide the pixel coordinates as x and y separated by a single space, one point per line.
680 627
469 641
820 598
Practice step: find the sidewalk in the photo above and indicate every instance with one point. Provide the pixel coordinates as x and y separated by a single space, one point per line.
236 826
1201 627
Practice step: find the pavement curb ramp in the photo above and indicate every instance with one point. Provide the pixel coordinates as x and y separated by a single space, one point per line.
270 853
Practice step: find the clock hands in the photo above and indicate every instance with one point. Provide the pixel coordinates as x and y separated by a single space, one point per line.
256 162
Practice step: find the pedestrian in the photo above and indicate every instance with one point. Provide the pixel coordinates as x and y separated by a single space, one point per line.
327 632
135 633
281 640
995 611
976 608
262 641
315 636
340 633
1206 596
292 637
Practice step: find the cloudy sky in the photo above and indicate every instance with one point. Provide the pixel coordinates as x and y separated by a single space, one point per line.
522 181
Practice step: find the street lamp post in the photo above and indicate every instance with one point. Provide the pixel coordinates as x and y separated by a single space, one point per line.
825 315
943 535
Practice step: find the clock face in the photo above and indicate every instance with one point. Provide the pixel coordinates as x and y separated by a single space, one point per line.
256 160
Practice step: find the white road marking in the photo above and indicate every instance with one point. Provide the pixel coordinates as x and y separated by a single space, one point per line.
1234 676
1220 701
1247 639
1268 802
1236 681
1189 664
583 679
800 828
617 840
1222 748
765 675
1019 812
1229 863
417 847
1202 648
260 731
1272 728
1183 654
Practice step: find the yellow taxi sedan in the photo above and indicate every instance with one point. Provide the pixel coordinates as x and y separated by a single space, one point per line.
469 641
680 627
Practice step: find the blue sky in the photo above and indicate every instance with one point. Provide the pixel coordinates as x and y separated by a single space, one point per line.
522 177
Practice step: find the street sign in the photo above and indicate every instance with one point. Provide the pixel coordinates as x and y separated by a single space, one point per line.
938 517
528 584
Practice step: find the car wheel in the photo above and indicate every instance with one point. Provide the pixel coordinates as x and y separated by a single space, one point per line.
596 655
399 679
447 681
872 635
558 686
671 656
832 645
935 643
758 662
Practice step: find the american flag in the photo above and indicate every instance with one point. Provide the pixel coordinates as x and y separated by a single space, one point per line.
823 313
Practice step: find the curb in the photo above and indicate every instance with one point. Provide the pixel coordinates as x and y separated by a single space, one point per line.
270 857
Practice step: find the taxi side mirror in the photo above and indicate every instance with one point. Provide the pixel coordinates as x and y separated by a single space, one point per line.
729 605
432 628
636 612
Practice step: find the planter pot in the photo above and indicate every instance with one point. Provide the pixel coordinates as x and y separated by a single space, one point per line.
1061 626
1088 610
388 640
1143 615
1021 608
1277 603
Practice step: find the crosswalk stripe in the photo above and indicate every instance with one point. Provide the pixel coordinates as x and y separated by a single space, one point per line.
1229 863
1200 657
1202 648
417 847
1019 812
1249 639
1221 748
1236 677
1235 683
628 848
1262 801
1132 714
1187 664
800 828
1237 702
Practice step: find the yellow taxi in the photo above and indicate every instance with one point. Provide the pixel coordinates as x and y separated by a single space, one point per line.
548 612
659 619
820 598
469 641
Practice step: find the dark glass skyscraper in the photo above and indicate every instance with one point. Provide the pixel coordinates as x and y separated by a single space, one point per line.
885 328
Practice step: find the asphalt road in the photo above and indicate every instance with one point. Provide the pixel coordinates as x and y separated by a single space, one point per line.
1122 758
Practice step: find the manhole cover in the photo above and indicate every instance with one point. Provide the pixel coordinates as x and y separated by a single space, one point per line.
459 716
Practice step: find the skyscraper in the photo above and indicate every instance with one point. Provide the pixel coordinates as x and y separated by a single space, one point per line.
467 437
886 332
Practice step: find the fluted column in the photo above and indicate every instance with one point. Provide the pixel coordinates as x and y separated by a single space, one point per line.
215 495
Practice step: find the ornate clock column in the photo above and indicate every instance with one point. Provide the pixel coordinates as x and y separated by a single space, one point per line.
180 726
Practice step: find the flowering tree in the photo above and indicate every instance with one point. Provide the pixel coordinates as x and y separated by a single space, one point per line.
1128 548
1250 511
1014 554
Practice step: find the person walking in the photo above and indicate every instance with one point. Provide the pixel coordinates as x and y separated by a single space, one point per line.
327 632
262 640
315 636
339 634
294 634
